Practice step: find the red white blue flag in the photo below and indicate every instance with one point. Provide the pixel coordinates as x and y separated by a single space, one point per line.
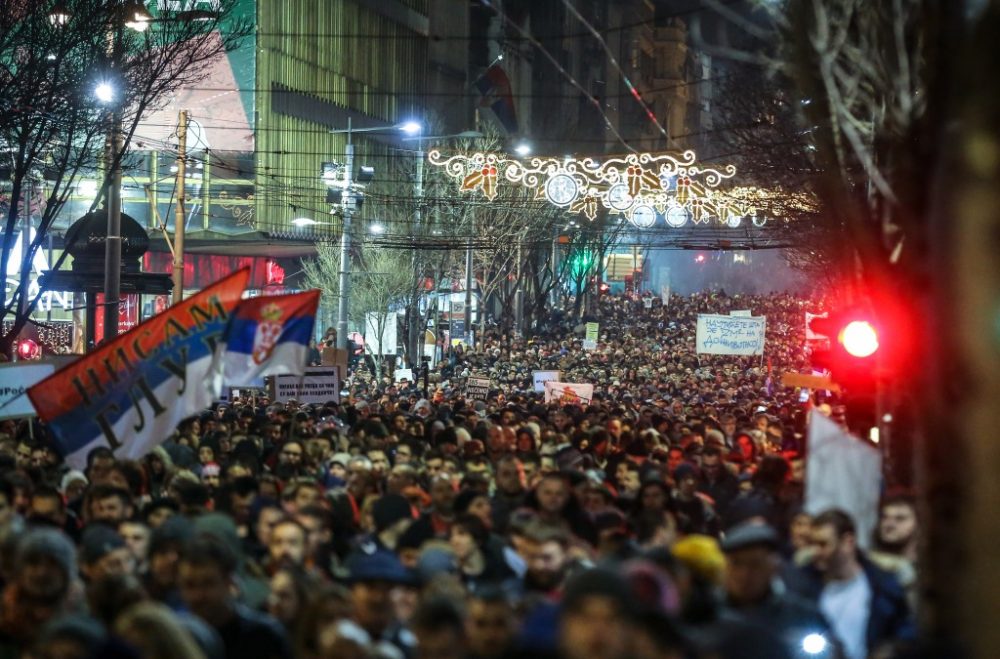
495 87
267 336
131 393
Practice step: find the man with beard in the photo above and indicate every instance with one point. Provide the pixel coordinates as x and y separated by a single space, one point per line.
287 545
896 542
866 606
548 560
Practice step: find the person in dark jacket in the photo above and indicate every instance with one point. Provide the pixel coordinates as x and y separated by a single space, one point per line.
754 590
716 480
866 606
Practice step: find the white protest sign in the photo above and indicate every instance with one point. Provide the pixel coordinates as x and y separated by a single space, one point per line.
15 379
541 377
741 313
387 344
730 335
842 472
810 334
568 392
319 385
403 374
647 303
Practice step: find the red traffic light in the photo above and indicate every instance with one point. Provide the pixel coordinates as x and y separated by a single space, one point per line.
28 349
859 338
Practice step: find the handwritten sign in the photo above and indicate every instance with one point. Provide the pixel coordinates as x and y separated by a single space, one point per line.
730 335
477 389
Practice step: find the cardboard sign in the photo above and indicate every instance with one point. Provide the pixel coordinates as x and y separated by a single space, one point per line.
539 378
730 335
809 381
477 389
320 385
568 393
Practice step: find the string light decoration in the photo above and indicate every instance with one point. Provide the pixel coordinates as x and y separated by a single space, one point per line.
639 186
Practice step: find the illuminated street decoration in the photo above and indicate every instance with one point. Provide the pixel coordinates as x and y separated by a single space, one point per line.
640 186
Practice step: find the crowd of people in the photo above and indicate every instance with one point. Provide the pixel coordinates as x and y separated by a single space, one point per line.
662 519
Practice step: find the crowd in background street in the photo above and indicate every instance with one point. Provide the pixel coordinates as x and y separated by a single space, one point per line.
662 519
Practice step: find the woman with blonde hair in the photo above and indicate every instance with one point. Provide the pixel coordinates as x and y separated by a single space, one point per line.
157 633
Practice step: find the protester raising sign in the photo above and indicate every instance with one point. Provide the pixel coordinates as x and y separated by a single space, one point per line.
477 389
730 335
568 393
131 393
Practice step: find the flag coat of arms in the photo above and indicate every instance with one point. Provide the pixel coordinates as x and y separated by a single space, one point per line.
267 336
131 393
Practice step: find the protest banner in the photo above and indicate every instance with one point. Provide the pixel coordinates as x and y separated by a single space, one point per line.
15 379
541 377
319 385
401 374
730 335
131 393
842 472
568 393
477 389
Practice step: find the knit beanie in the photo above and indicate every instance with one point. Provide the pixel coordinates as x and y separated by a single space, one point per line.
50 543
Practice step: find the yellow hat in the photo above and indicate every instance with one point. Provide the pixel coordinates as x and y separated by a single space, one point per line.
701 554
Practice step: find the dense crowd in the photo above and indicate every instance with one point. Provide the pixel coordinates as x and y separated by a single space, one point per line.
661 519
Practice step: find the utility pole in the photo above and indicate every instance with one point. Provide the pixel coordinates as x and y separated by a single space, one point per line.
113 243
468 293
179 214
345 244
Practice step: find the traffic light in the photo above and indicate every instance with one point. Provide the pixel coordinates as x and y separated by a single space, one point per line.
28 349
847 343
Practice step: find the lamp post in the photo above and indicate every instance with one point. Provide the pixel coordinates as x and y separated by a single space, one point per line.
419 191
349 201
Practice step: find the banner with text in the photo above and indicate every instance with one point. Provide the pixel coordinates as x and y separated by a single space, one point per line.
130 393
477 389
730 335
541 377
320 385
568 393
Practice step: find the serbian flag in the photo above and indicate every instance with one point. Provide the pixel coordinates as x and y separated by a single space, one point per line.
131 393
267 336
495 87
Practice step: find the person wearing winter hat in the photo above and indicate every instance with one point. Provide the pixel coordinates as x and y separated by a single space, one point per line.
103 553
392 515
43 586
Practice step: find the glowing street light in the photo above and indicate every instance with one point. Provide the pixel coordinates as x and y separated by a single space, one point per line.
523 149
411 127
304 222
104 92
376 228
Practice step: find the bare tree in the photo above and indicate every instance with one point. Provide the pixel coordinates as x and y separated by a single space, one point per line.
380 283
52 128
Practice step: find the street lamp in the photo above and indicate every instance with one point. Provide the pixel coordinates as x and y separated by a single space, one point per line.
59 15
304 222
104 92
350 198
523 149
464 135
376 228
